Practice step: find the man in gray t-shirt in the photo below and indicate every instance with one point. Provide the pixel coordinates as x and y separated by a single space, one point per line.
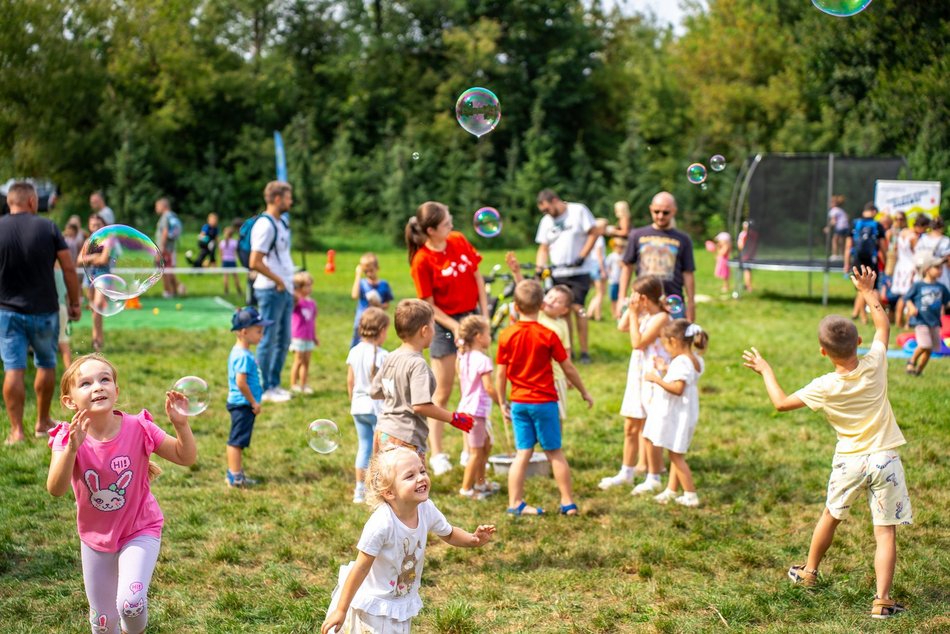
404 380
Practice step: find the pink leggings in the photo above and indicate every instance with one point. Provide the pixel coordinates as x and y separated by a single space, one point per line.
117 583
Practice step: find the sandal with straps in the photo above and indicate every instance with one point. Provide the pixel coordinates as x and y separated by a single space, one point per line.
567 508
518 511
886 608
803 577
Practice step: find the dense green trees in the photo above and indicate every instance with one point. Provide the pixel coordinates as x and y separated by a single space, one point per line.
182 97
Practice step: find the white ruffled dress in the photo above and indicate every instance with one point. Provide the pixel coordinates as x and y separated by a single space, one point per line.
671 420
637 395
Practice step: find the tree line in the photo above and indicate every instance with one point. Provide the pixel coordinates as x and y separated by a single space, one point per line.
181 97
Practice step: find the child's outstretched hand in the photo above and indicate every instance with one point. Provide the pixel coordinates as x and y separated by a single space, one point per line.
754 361
863 278
482 534
173 402
77 430
651 377
512 261
333 621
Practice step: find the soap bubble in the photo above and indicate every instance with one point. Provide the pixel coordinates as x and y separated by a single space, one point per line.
104 302
674 303
122 252
696 173
478 111
196 391
717 162
323 436
416 156
842 8
487 222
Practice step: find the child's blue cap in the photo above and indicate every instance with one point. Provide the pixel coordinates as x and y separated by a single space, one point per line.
247 317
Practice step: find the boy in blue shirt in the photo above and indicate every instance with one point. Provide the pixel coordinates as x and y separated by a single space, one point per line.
368 290
924 300
244 390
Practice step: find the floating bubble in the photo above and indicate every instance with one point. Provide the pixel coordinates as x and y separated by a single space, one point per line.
487 222
696 173
196 391
416 156
674 304
323 436
842 8
478 111
103 302
122 252
717 162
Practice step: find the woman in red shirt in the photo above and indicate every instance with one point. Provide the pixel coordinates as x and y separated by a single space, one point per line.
444 268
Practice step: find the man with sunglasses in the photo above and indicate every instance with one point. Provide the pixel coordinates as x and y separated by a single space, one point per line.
659 249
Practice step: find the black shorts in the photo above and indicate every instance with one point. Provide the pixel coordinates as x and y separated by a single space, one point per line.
443 343
579 285
242 424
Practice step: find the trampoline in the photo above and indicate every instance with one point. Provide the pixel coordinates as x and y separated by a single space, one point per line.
784 197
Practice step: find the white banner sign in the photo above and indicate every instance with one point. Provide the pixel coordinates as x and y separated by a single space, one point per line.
910 197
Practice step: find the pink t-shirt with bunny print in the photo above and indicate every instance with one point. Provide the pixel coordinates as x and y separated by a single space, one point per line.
114 503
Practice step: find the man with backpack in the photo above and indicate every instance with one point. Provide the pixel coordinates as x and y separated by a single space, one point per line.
265 242
866 246
167 233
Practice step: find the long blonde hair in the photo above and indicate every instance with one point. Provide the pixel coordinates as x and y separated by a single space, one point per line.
469 328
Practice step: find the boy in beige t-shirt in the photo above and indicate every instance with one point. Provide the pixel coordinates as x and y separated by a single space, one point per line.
854 400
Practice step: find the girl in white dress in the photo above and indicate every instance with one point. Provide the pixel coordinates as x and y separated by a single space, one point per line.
379 592
674 410
644 318
904 271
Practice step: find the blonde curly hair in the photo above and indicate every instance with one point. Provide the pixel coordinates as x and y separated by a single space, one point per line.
381 474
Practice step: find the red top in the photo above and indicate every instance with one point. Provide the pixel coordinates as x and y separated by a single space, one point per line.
527 348
448 276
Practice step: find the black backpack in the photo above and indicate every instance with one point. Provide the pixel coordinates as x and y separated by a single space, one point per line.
244 238
865 237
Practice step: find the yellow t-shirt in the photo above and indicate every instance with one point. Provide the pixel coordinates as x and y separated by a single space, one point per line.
856 405
559 326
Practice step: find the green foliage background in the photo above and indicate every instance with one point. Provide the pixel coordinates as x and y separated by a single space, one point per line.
182 96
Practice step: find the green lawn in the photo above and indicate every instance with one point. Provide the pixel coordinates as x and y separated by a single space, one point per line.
265 560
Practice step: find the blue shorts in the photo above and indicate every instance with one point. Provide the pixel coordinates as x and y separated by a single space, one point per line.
614 291
229 264
18 331
242 424
536 423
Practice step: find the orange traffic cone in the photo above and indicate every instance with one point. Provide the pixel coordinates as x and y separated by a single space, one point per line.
133 304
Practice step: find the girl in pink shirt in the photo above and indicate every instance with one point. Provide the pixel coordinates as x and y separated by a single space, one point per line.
104 453
303 332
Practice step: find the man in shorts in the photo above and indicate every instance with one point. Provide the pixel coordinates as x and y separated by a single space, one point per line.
566 236
29 306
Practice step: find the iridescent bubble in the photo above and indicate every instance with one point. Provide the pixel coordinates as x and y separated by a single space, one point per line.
696 173
108 287
478 111
717 162
487 222
415 156
674 303
323 436
196 391
842 8
122 252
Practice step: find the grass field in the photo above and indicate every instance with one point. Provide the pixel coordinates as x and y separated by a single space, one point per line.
265 560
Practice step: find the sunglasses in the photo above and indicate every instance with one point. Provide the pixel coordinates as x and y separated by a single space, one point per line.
660 212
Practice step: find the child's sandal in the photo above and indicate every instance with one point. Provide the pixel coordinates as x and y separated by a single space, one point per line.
567 508
518 511
911 369
803 577
886 608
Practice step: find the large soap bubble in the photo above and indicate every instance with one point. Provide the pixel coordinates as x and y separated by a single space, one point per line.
478 111
125 253
842 8
487 222
195 389
323 435
108 287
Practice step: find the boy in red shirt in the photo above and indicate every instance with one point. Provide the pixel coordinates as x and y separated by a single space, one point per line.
525 352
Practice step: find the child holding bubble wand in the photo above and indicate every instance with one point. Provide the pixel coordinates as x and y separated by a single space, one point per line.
379 592
104 454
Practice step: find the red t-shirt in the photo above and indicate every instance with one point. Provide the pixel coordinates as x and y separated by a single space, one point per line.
448 276
527 348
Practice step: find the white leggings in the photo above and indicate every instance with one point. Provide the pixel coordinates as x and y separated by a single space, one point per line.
117 583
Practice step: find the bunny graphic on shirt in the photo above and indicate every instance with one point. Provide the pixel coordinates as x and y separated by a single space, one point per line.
407 571
111 498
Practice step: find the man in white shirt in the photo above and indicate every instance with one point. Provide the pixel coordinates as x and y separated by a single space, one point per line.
270 257
566 236
98 204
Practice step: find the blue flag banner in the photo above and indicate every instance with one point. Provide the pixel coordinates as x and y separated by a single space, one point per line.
279 157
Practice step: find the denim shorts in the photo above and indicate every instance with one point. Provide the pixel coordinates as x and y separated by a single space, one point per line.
443 343
536 423
614 291
18 331
242 424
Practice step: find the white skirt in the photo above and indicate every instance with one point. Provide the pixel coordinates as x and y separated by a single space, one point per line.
636 397
362 622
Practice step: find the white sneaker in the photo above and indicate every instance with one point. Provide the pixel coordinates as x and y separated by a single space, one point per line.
687 500
488 486
282 391
307 389
296 388
440 464
463 459
615 481
473 494
273 396
647 486
665 497
359 496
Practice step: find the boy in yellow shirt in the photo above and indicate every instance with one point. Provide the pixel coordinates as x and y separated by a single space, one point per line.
854 400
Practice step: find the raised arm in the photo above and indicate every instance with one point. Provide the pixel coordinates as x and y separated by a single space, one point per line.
782 401
180 449
863 280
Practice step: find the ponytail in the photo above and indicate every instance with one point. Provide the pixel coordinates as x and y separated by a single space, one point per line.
415 237
689 333
429 215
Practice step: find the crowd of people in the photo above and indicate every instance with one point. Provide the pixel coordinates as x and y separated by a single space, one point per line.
400 402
